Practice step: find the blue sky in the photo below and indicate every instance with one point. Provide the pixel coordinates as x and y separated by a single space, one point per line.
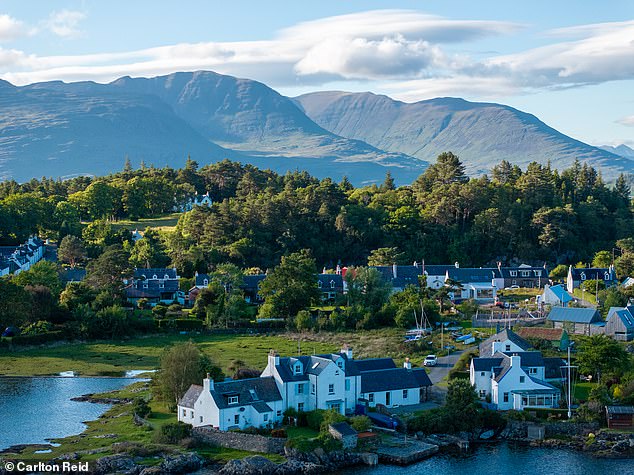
571 63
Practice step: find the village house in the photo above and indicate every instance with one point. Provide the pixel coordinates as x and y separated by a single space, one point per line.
154 285
476 283
15 259
555 295
580 321
331 381
196 200
435 275
620 323
400 277
523 276
504 341
576 276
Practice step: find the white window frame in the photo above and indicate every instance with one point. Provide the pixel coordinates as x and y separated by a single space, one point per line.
232 400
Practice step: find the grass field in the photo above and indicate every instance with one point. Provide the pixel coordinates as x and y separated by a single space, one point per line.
164 223
112 357
587 296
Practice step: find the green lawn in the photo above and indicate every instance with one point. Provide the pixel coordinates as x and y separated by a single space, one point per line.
114 357
307 432
164 223
582 390
587 296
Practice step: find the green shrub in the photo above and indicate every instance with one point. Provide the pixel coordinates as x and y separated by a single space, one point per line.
331 417
173 433
315 418
188 324
141 408
39 339
360 423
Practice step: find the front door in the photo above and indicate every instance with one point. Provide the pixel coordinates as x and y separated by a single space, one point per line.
388 398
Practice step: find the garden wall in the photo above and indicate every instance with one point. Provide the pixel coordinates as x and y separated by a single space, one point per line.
238 440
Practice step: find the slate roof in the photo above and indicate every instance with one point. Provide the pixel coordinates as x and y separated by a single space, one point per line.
250 282
486 364
393 379
471 275
592 273
159 272
343 428
261 407
552 368
374 364
314 364
560 292
72 275
405 275
625 314
575 315
249 391
326 280
620 409
486 347
191 396
200 280
505 272
541 333
437 269
528 358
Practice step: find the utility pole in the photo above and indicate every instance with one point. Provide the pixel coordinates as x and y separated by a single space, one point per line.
569 387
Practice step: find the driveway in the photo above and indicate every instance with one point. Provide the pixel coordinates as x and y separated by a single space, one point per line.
445 363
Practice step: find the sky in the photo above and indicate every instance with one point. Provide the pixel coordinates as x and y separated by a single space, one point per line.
570 63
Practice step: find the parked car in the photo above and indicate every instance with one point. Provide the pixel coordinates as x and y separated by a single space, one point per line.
430 360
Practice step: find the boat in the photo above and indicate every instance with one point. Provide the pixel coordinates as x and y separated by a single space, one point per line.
464 337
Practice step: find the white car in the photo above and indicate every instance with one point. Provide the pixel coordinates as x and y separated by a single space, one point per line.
430 360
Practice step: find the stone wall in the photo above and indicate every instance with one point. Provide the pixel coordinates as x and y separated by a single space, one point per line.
238 440
519 429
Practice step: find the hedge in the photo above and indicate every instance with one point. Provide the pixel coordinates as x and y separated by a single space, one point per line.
39 339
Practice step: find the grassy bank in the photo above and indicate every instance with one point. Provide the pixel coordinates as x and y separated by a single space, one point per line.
164 223
112 357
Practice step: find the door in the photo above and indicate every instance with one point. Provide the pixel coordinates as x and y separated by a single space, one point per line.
388 398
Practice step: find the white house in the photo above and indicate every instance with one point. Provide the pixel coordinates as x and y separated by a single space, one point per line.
504 341
476 283
514 380
576 276
556 295
333 381
14 260
196 200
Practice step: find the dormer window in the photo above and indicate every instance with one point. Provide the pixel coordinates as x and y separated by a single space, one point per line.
206 282
233 400
538 273
319 284
298 369
526 273
583 276
166 277
154 277
145 285
340 364
606 276
161 285
332 284
513 273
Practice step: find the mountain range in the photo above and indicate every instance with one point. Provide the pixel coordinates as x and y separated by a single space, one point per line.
85 128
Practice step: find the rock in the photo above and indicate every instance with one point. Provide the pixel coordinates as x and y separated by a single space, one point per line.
487 435
120 464
70 456
184 463
253 465
157 470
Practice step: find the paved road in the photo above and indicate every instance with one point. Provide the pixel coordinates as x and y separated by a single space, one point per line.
445 363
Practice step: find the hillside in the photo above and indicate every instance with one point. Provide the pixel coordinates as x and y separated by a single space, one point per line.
482 134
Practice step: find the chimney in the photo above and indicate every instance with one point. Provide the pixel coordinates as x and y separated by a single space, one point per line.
394 273
516 361
338 271
347 350
456 265
499 266
416 264
407 364
208 383
323 271
274 358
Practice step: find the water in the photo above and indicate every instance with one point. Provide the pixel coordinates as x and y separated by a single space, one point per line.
33 410
506 459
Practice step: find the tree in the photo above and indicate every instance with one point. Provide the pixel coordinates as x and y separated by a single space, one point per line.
75 294
181 366
108 270
602 259
290 287
303 320
600 354
15 303
559 273
385 256
71 250
149 252
43 273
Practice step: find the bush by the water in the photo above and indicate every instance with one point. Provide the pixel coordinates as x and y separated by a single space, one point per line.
173 433
142 408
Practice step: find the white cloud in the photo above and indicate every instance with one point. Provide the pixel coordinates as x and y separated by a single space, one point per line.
65 23
10 28
628 121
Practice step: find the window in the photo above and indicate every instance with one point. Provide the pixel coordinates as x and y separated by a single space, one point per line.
337 373
298 369
538 273
331 389
347 385
184 412
404 393
206 282
233 400
532 370
583 276
526 273
201 419
513 273
266 417
236 419
192 415
522 379
508 347
145 285
506 397
300 389
483 393
312 388
300 407
340 364
319 284
154 276
514 282
166 277
481 373
279 413
332 283
371 397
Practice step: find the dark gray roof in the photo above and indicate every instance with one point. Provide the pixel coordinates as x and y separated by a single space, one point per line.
625 314
330 282
592 273
249 391
374 364
533 272
552 368
438 269
529 358
486 347
160 273
343 428
252 282
471 275
405 275
72 275
505 366
313 364
393 379
200 280
576 315
191 396
486 364
261 407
